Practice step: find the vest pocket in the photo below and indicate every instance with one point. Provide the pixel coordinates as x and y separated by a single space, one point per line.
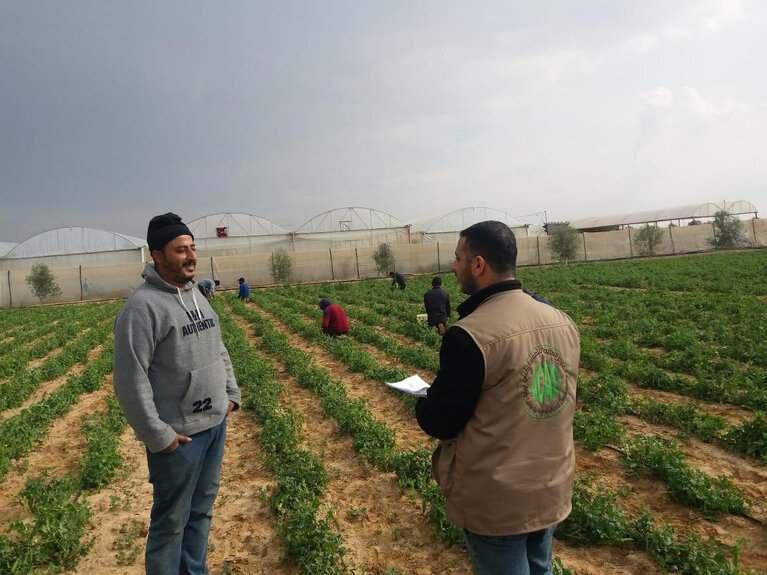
442 463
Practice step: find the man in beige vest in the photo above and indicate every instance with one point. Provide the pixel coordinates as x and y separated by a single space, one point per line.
502 405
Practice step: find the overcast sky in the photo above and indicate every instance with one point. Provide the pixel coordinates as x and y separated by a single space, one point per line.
112 112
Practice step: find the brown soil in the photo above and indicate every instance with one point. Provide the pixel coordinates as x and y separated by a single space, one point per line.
381 528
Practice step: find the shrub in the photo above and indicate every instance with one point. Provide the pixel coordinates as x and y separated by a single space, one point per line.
282 266
42 282
384 259
647 240
728 231
563 241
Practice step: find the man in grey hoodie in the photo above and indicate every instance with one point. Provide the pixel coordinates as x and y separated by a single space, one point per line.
174 380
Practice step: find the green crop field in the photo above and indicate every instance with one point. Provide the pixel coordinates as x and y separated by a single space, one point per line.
326 470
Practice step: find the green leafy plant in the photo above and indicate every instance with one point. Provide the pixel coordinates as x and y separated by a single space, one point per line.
126 545
563 241
728 231
42 282
647 240
384 259
282 266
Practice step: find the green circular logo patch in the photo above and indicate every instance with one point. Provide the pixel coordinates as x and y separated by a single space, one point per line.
544 381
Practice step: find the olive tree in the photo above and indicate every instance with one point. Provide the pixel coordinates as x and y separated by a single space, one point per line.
728 231
384 259
647 240
42 282
563 241
282 266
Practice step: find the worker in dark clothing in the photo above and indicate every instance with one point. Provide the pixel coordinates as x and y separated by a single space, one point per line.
437 303
398 280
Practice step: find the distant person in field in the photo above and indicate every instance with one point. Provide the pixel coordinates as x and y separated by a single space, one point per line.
334 321
174 381
208 287
398 280
437 303
502 406
244 292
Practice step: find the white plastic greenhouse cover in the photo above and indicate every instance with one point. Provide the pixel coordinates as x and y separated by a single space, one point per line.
5 247
706 210
461 219
236 224
348 219
65 241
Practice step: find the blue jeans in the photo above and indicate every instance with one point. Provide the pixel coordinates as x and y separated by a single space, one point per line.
523 554
185 484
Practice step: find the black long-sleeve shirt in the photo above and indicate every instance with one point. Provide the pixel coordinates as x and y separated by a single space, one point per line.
437 304
451 399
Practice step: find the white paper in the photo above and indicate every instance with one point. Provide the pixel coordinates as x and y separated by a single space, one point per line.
413 385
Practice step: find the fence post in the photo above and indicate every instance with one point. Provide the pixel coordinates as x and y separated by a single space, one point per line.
585 253
81 282
10 291
671 237
631 246
357 258
753 229
332 273
439 264
212 273
538 248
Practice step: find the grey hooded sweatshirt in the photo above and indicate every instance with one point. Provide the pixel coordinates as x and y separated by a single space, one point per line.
172 373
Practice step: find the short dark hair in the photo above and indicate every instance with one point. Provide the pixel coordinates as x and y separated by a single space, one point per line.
217 282
495 242
436 282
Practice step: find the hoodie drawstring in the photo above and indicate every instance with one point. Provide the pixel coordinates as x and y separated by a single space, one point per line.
197 307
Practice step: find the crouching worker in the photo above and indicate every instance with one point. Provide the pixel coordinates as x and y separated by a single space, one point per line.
334 320
437 304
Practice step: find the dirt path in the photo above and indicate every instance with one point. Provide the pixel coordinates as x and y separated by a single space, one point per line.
381 528
593 561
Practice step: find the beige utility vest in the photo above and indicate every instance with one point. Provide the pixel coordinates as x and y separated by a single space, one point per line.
510 469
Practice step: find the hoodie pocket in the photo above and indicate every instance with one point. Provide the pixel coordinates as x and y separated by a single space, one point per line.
206 397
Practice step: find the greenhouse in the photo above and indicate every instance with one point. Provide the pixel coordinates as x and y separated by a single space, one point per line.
229 234
677 216
62 247
447 227
88 264
349 227
5 247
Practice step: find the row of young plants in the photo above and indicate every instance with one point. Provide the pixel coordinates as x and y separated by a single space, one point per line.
15 353
720 273
750 437
34 316
22 385
301 478
415 355
374 441
643 370
21 432
669 550
605 399
53 536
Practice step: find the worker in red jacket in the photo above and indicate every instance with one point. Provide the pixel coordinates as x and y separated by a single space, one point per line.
334 320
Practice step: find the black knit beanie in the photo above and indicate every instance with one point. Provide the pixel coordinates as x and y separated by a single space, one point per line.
163 229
